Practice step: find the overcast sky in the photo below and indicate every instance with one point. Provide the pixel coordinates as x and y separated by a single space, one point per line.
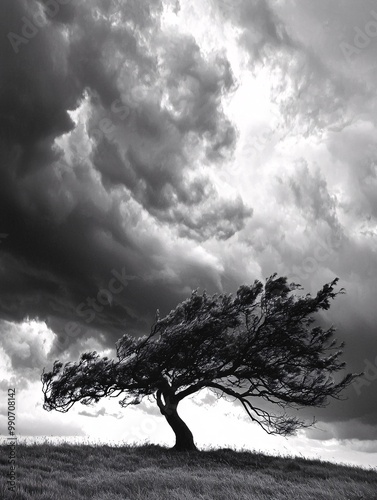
151 147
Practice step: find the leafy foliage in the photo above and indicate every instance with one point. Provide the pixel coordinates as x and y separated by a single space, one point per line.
261 344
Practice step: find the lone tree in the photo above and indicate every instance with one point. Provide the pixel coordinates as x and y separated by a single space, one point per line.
259 345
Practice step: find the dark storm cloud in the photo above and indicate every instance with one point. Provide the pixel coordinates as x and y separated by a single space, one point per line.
364 436
156 145
109 129
321 58
105 190
329 246
315 247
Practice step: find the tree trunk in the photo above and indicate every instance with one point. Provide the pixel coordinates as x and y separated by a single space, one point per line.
184 440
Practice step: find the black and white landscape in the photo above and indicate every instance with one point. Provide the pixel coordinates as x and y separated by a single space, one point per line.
149 148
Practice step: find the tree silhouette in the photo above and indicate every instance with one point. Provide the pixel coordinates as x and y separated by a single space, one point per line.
259 345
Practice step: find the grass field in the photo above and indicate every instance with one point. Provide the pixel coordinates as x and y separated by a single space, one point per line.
66 471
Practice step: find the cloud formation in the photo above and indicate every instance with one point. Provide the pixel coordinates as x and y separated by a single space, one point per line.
178 145
109 123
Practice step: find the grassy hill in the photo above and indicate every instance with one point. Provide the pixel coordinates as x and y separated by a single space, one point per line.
150 472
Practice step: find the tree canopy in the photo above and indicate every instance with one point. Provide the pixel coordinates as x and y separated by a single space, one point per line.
261 344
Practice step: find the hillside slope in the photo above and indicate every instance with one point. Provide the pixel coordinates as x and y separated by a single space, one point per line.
149 472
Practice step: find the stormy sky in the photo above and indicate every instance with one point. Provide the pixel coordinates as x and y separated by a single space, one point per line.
149 148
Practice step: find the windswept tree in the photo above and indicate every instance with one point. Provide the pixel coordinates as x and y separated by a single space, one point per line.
261 344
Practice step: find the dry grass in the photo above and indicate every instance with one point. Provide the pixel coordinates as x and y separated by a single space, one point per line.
150 472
